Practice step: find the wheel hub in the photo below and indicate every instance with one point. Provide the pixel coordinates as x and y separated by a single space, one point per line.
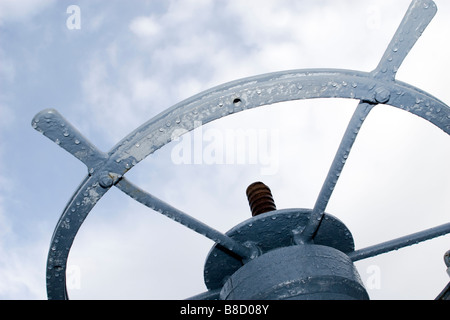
267 231
300 272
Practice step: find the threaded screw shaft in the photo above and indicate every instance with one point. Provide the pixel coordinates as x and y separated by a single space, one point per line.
260 198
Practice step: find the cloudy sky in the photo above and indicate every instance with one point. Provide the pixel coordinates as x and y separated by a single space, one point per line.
121 63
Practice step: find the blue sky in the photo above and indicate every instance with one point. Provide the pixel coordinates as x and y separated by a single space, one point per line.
128 61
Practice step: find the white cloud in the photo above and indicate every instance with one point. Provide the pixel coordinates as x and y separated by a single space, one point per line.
144 27
7 68
22 272
22 264
11 10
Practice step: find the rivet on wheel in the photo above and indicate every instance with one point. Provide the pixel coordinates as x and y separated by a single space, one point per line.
382 95
106 181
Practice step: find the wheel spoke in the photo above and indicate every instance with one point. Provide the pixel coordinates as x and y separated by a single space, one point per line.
54 126
173 213
417 18
414 22
335 171
400 242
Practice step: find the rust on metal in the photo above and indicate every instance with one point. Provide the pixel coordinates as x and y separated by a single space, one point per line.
260 198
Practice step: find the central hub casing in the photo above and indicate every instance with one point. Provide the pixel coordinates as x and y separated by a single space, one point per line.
283 269
299 272
270 231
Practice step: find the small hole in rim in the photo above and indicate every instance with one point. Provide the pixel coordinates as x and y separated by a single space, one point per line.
237 101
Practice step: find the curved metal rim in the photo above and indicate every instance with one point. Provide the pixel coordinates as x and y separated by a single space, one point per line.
217 103
372 88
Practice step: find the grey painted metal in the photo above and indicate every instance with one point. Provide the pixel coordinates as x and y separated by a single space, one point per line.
270 231
445 294
307 234
186 220
416 19
301 272
400 242
447 261
106 170
208 295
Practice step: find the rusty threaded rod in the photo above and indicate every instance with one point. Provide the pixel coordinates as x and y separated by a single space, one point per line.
260 198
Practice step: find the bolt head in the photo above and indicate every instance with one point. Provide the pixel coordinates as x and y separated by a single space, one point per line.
106 181
382 95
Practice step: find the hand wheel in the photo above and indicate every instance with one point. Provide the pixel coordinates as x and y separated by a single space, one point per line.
234 249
